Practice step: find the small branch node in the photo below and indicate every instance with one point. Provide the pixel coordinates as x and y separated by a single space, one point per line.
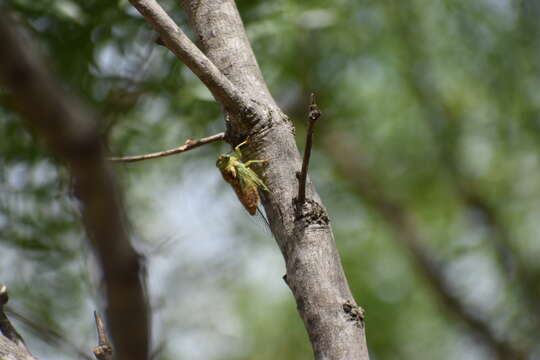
354 313
159 41
313 115
314 112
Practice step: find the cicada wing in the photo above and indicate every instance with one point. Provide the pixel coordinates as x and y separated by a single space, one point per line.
251 176
249 197
244 181
247 192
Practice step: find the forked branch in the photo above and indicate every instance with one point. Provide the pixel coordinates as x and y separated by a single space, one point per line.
314 271
177 41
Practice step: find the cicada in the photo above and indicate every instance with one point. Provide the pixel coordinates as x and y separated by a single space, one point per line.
245 182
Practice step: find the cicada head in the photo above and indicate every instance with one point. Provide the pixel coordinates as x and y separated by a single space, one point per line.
225 165
223 161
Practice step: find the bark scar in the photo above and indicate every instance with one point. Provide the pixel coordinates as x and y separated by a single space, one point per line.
312 213
354 313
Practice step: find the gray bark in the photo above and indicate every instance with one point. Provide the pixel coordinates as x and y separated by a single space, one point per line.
9 350
314 273
334 322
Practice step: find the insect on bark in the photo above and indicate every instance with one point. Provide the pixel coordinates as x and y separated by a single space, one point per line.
244 181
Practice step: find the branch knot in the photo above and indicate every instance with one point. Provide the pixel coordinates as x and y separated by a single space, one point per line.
312 213
354 313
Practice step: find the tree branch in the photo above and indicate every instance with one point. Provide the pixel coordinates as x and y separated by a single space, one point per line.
517 271
404 227
314 271
188 145
177 41
71 133
405 230
445 127
223 39
313 116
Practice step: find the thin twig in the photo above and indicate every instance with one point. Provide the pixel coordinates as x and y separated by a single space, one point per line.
314 115
188 145
104 349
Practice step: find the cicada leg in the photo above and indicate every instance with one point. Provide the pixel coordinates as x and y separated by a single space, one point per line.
237 148
247 163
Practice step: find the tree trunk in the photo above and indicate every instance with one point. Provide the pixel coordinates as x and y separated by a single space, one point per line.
314 272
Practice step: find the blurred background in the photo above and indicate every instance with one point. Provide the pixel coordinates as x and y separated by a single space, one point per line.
427 158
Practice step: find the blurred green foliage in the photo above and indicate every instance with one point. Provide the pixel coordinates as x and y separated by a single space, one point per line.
439 102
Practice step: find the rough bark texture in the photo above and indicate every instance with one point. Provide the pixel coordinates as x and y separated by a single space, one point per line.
11 351
71 133
223 39
314 273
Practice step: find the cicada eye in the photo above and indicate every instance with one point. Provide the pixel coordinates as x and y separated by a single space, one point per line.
222 160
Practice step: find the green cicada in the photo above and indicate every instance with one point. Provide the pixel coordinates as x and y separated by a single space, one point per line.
244 181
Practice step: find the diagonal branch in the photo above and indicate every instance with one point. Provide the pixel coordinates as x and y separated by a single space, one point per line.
405 229
314 271
403 224
518 273
223 39
177 41
445 126
189 145
71 133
